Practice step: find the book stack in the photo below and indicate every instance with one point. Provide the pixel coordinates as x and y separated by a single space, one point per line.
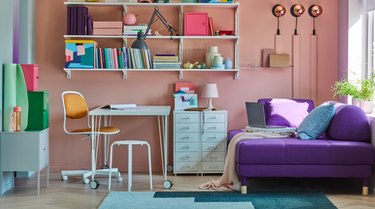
123 58
107 28
79 22
132 30
166 61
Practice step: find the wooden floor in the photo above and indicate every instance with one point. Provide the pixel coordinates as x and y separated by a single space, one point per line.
344 193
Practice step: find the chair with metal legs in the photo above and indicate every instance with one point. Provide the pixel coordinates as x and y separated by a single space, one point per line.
75 107
130 144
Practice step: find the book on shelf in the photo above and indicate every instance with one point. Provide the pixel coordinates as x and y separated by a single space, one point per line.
79 21
166 58
123 58
119 106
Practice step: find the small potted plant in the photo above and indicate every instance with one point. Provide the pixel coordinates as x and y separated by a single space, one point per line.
361 91
346 88
366 94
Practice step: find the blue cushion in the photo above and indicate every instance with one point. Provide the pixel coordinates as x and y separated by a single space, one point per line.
316 122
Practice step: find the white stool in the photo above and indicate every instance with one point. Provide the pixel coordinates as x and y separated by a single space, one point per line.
130 144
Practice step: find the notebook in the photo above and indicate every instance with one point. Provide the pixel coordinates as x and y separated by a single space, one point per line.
257 120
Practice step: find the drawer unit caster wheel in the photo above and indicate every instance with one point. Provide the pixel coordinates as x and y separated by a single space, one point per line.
119 179
86 181
105 166
94 184
64 178
167 184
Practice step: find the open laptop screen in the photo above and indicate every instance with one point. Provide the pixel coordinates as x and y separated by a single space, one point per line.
255 114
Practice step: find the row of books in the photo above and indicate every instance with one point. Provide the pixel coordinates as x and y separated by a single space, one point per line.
122 58
79 22
132 30
166 61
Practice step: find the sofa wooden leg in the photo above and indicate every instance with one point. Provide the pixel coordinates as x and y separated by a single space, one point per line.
365 186
243 185
365 190
243 189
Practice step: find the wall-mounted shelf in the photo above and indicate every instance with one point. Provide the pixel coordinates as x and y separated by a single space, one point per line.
153 37
230 5
125 71
180 39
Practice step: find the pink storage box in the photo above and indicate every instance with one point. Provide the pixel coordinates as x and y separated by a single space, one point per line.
107 24
112 31
196 24
30 72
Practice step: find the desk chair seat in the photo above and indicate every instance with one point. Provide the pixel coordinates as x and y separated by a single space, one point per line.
130 144
75 107
103 130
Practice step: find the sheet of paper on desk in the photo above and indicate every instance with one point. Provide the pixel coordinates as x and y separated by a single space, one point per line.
120 106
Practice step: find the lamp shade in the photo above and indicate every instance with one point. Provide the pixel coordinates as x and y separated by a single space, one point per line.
210 91
140 42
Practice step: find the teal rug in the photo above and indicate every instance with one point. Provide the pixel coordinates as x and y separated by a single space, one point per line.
216 200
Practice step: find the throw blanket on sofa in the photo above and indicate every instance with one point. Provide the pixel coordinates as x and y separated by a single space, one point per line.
229 180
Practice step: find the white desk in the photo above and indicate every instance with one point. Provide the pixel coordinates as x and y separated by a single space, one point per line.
161 111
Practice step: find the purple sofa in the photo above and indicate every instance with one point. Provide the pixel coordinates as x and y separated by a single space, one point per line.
343 151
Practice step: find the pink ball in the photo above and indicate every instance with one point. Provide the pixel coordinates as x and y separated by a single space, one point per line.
129 19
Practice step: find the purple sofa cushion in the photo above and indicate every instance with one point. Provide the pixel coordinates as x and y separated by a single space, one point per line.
275 119
350 123
292 151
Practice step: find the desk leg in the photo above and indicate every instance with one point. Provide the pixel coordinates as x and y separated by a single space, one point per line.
47 176
93 163
165 137
38 185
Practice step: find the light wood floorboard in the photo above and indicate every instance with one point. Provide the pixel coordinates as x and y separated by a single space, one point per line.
345 194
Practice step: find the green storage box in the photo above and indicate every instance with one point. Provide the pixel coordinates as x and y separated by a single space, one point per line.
38 110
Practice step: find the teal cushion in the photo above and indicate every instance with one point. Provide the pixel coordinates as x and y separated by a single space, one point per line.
316 122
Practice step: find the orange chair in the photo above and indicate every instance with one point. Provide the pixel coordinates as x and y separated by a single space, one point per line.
75 107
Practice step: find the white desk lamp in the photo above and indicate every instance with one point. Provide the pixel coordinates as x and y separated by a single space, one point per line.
210 91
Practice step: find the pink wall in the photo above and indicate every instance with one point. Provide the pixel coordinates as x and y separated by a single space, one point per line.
257 29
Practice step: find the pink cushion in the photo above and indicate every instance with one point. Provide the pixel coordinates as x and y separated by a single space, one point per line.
287 113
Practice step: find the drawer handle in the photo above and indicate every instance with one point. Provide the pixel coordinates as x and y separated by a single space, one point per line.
213 156
212 118
185 128
186 147
185 157
212 127
213 166
44 149
186 118
185 138
212 138
212 147
185 167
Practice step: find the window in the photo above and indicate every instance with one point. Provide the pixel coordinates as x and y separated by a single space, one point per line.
371 43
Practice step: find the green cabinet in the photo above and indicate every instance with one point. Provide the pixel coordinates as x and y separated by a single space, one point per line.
38 110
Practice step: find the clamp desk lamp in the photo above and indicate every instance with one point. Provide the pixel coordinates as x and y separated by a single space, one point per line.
140 43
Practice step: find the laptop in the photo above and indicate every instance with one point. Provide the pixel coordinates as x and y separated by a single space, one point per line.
256 116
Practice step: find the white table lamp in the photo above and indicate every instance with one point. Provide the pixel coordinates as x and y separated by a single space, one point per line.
210 91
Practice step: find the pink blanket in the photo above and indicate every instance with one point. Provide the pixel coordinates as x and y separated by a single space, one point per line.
229 180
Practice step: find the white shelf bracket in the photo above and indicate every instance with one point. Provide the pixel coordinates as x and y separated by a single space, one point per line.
68 74
124 74
125 9
236 75
180 74
124 42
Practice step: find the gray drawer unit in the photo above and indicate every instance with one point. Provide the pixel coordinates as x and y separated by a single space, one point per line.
199 141
25 151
